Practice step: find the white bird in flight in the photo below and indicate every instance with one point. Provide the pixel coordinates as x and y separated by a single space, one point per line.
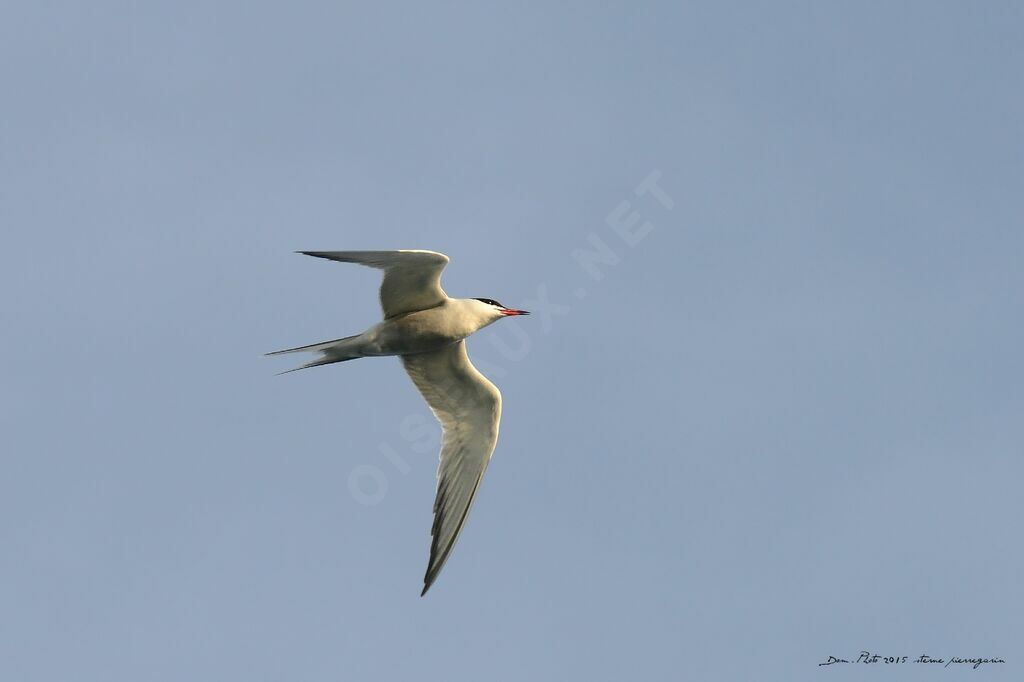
428 330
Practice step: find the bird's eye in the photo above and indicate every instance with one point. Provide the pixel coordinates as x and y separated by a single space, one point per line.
490 301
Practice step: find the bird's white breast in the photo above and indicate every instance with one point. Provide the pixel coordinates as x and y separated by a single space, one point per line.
425 330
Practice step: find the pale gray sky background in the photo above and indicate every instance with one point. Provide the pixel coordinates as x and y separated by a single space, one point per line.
786 424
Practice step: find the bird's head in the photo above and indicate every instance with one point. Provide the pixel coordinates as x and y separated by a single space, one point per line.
492 310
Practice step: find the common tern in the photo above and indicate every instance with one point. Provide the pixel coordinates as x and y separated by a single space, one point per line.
427 330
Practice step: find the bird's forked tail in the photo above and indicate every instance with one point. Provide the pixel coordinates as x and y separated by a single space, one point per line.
338 350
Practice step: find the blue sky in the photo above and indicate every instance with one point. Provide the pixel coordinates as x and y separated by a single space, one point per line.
784 423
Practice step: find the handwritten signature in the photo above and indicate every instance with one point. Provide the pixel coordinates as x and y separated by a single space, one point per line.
868 657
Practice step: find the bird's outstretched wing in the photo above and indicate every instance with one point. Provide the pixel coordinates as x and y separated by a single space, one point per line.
469 409
412 279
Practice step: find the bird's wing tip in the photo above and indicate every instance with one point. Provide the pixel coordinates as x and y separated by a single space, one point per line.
427 583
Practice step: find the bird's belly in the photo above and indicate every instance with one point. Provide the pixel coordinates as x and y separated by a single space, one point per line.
418 332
